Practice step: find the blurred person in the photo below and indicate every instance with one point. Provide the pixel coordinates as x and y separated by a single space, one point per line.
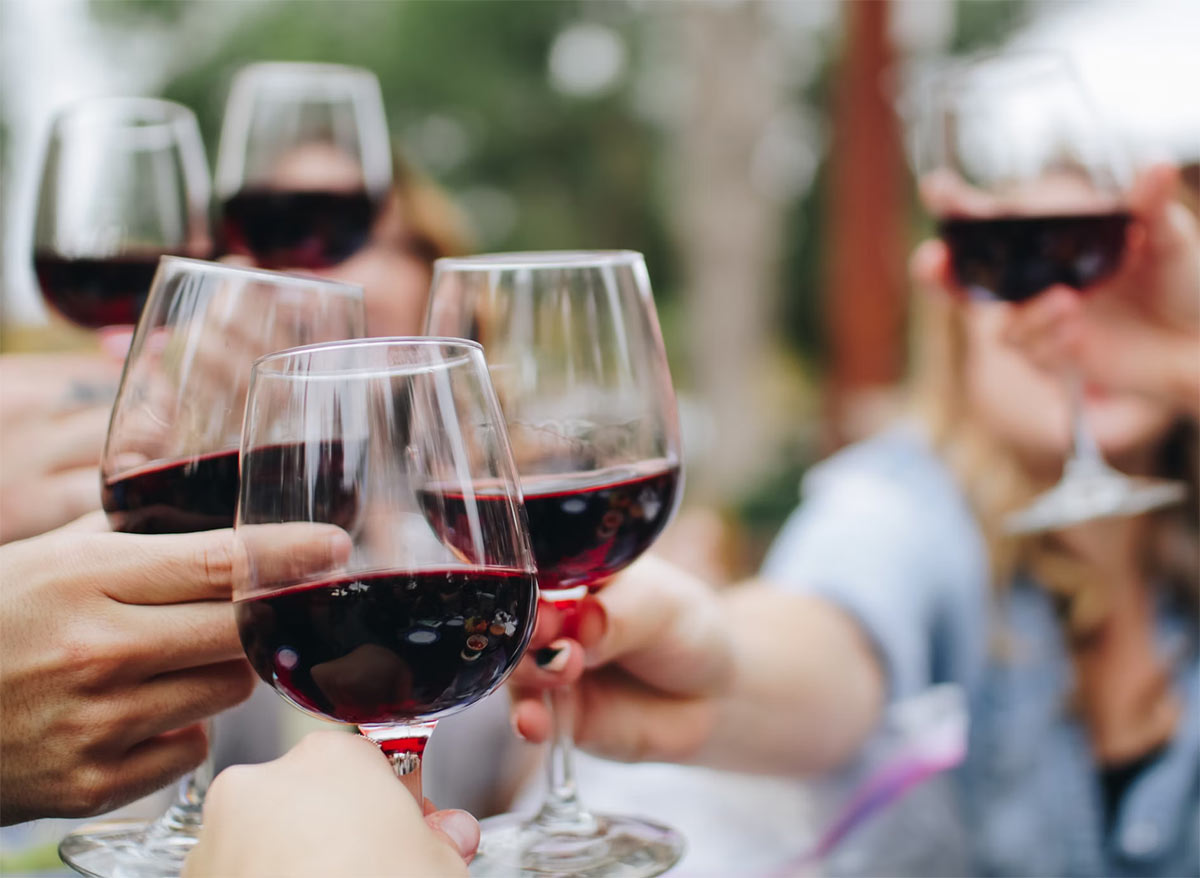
113 648
1077 649
330 806
54 411
415 224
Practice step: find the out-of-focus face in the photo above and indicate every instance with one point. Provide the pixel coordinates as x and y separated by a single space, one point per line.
1028 410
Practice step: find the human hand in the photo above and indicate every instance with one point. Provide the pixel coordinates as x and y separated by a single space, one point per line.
113 648
330 806
54 410
1137 331
657 659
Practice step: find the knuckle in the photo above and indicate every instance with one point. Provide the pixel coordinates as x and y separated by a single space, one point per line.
215 559
91 789
90 655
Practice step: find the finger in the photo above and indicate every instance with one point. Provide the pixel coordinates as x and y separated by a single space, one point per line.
76 440
1040 316
175 637
530 716
62 498
94 522
149 766
559 663
458 829
547 625
182 568
180 699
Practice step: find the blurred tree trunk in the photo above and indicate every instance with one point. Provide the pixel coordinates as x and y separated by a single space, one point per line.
729 236
866 305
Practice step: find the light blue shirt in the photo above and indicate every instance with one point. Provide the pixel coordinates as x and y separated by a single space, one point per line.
885 533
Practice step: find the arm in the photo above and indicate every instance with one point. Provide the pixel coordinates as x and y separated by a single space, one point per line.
749 678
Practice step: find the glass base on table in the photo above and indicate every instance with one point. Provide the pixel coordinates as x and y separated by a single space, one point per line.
127 849
514 845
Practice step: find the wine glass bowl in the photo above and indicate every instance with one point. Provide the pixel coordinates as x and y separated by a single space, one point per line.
123 181
575 351
304 163
365 437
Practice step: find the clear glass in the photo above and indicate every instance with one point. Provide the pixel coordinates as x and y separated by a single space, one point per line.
124 181
391 441
1029 189
576 354
170 464
304 163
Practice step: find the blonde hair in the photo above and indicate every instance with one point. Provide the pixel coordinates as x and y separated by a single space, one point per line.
995 483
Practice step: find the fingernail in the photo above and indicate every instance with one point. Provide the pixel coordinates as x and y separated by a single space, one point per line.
554 657
462 829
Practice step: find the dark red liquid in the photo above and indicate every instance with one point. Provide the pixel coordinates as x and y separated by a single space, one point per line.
1016 257
201 493
390 646
282 229
96 292
584 528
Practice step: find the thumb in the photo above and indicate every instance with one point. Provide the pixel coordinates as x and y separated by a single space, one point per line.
1150 198
458 828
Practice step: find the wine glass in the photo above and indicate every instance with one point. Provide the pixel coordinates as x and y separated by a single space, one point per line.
1029 189
574 347
124 181
170 464
304 163
365 438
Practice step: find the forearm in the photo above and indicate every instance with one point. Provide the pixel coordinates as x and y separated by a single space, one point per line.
806 688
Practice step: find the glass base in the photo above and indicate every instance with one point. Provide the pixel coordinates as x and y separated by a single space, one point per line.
512 846
1102 493
127 849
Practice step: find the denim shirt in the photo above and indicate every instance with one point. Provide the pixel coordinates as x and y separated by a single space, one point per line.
885 533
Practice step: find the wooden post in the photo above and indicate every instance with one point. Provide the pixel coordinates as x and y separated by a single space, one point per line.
865 308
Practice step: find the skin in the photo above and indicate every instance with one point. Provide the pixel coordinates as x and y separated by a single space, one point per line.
54 409
300 816
678 671
113 648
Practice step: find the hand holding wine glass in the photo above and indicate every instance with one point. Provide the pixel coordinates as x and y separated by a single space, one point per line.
330 806
1031 194
103 703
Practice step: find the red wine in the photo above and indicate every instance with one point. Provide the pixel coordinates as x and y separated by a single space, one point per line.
583 527
96 292
390 646
1016 257
201 493
297 229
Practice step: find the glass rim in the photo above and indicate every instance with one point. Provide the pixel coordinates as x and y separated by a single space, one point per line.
130 111
471 350
529 259
308 280
273 69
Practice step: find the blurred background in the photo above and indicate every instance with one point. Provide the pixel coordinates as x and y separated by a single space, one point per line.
756 152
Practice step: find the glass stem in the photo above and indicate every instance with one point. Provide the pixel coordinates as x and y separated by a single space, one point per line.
404 747
1085 455
562 811
185 816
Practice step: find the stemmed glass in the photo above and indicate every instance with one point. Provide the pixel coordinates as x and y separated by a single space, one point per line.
124 181
574 347
171 461
1029 189
363 440
304 163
